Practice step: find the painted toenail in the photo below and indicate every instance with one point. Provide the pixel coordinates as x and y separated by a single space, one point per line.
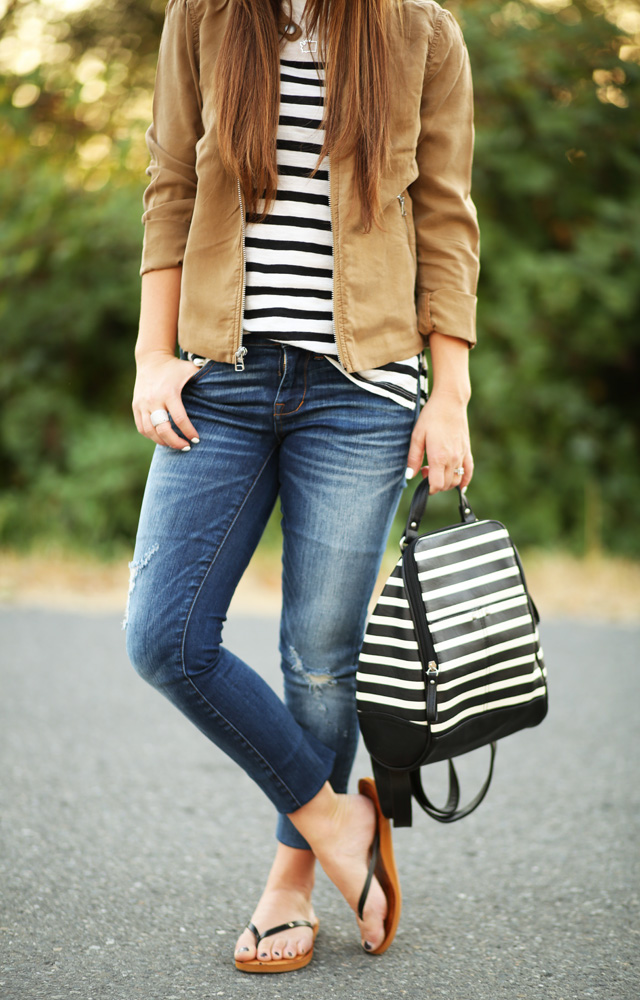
367 946
263 954
240 950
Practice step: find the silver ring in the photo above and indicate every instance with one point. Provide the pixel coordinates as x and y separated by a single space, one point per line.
158 417
459 471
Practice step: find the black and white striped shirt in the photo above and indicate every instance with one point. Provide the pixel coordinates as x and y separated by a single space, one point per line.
289 255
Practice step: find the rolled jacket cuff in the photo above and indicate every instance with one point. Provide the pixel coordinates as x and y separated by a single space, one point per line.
447 311
165 241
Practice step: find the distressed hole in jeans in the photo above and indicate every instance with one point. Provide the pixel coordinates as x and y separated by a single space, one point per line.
316 682
134 569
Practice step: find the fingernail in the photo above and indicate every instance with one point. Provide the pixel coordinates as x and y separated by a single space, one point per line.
195 440
187 447
409 474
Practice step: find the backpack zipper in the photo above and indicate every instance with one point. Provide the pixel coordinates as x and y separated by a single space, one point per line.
425 642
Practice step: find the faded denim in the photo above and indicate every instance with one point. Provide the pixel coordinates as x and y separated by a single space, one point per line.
290 424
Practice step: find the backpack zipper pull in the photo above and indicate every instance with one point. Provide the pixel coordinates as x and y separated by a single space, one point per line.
432 692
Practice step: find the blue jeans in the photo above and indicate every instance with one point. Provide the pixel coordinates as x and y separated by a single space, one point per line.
290 424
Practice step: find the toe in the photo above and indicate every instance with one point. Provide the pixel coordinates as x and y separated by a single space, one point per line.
371 938
304 947
375 912
279 946
291 948
245 947
264 951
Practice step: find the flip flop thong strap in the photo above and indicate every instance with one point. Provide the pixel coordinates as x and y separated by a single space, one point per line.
375 850
277 930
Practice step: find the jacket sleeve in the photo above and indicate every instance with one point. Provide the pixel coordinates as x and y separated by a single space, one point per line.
171 139
444 216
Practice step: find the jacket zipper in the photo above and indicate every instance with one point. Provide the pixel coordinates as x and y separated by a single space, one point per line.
241 352
423 635
403 210
333 283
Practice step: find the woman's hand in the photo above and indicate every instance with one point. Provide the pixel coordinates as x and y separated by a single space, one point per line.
160 379
442 432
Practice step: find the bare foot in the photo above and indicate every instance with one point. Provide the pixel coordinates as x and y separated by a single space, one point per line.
340 829
286 896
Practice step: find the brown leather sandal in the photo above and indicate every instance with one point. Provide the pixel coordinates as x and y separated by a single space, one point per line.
278 964
383 866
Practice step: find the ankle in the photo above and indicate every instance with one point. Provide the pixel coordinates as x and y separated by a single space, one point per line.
318 819
292 870
290 884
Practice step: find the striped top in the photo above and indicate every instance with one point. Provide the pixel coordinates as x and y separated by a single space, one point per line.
289 255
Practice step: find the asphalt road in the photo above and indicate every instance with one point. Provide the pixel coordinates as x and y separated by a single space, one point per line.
132 850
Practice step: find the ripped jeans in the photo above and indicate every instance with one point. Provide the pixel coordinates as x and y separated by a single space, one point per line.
290 424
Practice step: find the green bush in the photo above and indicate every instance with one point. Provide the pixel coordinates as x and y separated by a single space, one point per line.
72 464
554 413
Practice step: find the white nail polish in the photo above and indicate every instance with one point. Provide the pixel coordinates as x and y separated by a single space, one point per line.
409 474
195 440
187 447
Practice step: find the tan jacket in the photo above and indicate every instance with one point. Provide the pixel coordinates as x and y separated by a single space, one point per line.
393 286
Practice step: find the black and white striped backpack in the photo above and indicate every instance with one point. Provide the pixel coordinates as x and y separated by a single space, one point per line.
451 659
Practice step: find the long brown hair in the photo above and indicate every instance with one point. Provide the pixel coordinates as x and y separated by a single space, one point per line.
353 40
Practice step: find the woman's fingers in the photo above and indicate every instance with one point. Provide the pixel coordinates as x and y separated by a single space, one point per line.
159 385
467 463
415 457
446 476
182 422
442 476
165 434
442 432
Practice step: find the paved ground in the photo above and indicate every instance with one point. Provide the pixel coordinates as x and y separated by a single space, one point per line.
132 850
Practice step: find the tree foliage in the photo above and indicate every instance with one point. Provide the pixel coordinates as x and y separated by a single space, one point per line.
557 183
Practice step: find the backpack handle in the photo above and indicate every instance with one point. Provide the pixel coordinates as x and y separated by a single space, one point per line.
419 506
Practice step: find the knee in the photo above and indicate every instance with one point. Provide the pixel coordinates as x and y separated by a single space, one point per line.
152 655
320 666
320 691
322 648
164 651
153 639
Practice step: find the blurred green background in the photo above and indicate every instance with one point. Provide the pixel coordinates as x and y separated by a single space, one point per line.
557 182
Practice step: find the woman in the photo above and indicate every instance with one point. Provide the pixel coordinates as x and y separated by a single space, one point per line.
308 229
